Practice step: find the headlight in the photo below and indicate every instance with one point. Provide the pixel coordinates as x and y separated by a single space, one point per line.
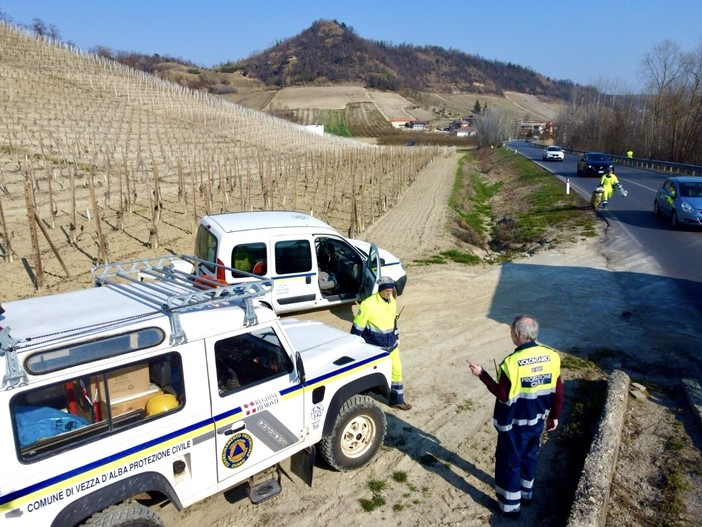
686 207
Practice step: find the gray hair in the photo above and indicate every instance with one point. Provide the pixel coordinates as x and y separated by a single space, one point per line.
525 327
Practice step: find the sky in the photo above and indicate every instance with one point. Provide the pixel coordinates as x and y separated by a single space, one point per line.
596 42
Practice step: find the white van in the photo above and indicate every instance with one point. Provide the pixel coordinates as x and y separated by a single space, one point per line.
117 399
309 264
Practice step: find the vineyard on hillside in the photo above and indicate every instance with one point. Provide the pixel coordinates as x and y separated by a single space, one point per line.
93 150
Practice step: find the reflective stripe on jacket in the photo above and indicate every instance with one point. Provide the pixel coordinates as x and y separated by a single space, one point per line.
375 321
533 371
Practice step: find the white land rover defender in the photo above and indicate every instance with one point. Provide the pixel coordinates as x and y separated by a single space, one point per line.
153 386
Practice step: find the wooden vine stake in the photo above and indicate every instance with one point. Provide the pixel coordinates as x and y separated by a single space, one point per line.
31 214
153 228
5 235
49 179
101 242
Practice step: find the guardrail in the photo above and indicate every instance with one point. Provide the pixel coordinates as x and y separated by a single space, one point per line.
652 164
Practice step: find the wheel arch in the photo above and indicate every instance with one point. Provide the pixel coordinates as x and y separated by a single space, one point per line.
374 382
84 507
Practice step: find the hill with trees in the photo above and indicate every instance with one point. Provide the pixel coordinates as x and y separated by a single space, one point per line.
663 122
332 52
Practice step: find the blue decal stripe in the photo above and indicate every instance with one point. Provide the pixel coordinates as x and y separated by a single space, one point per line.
100 462
289 276
340 371
228 413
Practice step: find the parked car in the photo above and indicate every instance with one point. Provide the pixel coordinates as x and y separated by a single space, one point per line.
309 264
594 164
680 199
553 153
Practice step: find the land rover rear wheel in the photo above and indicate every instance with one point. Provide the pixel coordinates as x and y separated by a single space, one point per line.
358 433
127 514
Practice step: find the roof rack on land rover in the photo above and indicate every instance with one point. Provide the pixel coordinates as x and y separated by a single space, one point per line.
156 282
161 282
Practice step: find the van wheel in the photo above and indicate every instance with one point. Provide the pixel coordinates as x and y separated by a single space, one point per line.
357 435
127 514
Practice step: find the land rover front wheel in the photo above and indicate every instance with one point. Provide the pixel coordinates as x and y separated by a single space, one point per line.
358 433
127 514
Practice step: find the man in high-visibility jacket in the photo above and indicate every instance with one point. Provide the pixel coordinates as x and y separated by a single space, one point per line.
376 322
609 182
528 392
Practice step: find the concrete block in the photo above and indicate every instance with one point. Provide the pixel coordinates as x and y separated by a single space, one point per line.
592 495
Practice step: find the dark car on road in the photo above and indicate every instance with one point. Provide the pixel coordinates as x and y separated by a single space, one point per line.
594 164
680 199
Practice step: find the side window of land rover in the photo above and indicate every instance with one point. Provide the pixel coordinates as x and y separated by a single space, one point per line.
80 409
250 358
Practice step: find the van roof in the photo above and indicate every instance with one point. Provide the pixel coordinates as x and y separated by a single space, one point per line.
279 219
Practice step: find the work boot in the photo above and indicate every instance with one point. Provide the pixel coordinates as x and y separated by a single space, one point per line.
402 406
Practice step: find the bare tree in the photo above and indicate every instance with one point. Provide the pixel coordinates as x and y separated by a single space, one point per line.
4 17
53 32
665 122
39 27
493 128
103 51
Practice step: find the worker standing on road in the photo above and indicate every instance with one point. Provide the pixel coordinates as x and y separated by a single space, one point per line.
609 183
529 390
376 322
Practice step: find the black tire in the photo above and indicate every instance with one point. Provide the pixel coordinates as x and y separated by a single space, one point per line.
127 514
358 434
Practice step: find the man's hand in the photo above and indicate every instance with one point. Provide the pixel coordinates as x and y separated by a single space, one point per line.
551 424
475 369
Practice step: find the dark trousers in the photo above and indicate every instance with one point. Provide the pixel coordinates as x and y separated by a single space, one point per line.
515 465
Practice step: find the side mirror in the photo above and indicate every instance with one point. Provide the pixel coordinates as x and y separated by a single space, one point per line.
300 368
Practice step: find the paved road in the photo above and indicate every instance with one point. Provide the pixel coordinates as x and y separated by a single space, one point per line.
655 268
644 243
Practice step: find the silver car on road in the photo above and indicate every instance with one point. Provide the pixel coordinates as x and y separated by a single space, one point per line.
680 199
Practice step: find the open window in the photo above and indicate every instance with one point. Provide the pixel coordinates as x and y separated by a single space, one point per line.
249 359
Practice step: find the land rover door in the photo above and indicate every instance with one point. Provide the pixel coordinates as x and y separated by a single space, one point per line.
257 401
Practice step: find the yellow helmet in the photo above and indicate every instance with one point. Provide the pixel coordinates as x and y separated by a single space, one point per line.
161 403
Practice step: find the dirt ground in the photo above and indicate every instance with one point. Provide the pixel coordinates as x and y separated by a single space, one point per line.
436 467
